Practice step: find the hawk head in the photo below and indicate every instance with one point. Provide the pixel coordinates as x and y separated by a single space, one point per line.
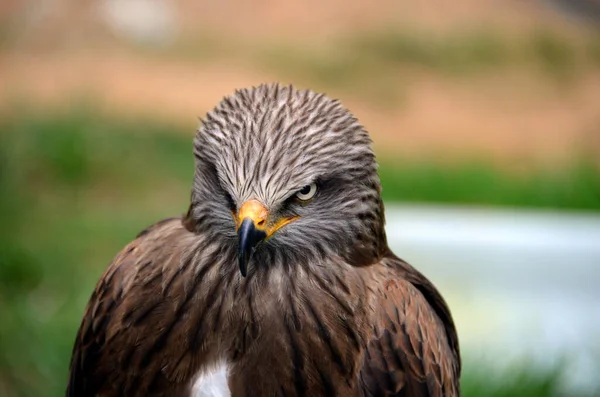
287 176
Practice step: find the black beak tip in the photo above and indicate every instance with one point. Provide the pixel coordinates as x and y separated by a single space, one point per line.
243 271
248 237
243 263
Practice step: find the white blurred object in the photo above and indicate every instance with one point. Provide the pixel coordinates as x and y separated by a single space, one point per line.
148 21
520 284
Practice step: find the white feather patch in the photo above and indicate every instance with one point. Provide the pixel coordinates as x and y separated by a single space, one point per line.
212 383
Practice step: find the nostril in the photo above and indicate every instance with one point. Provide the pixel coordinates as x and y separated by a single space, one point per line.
261 223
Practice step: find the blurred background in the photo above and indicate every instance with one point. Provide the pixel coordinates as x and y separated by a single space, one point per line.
485 116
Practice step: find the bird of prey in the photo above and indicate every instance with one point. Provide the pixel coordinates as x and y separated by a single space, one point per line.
278 281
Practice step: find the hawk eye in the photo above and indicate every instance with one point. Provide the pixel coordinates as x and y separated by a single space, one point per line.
230 202
307 192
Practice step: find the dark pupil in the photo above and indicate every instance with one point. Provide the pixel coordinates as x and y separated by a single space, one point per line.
305 189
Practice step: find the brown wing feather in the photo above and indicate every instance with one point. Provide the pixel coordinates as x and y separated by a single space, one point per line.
414 350
128 294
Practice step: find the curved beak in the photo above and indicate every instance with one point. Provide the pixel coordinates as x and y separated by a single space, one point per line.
253 227
249 236
252 220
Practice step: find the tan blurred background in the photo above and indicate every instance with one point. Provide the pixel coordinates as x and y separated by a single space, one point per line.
515 80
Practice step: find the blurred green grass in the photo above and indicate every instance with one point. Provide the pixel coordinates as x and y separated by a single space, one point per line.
77 185
477 182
